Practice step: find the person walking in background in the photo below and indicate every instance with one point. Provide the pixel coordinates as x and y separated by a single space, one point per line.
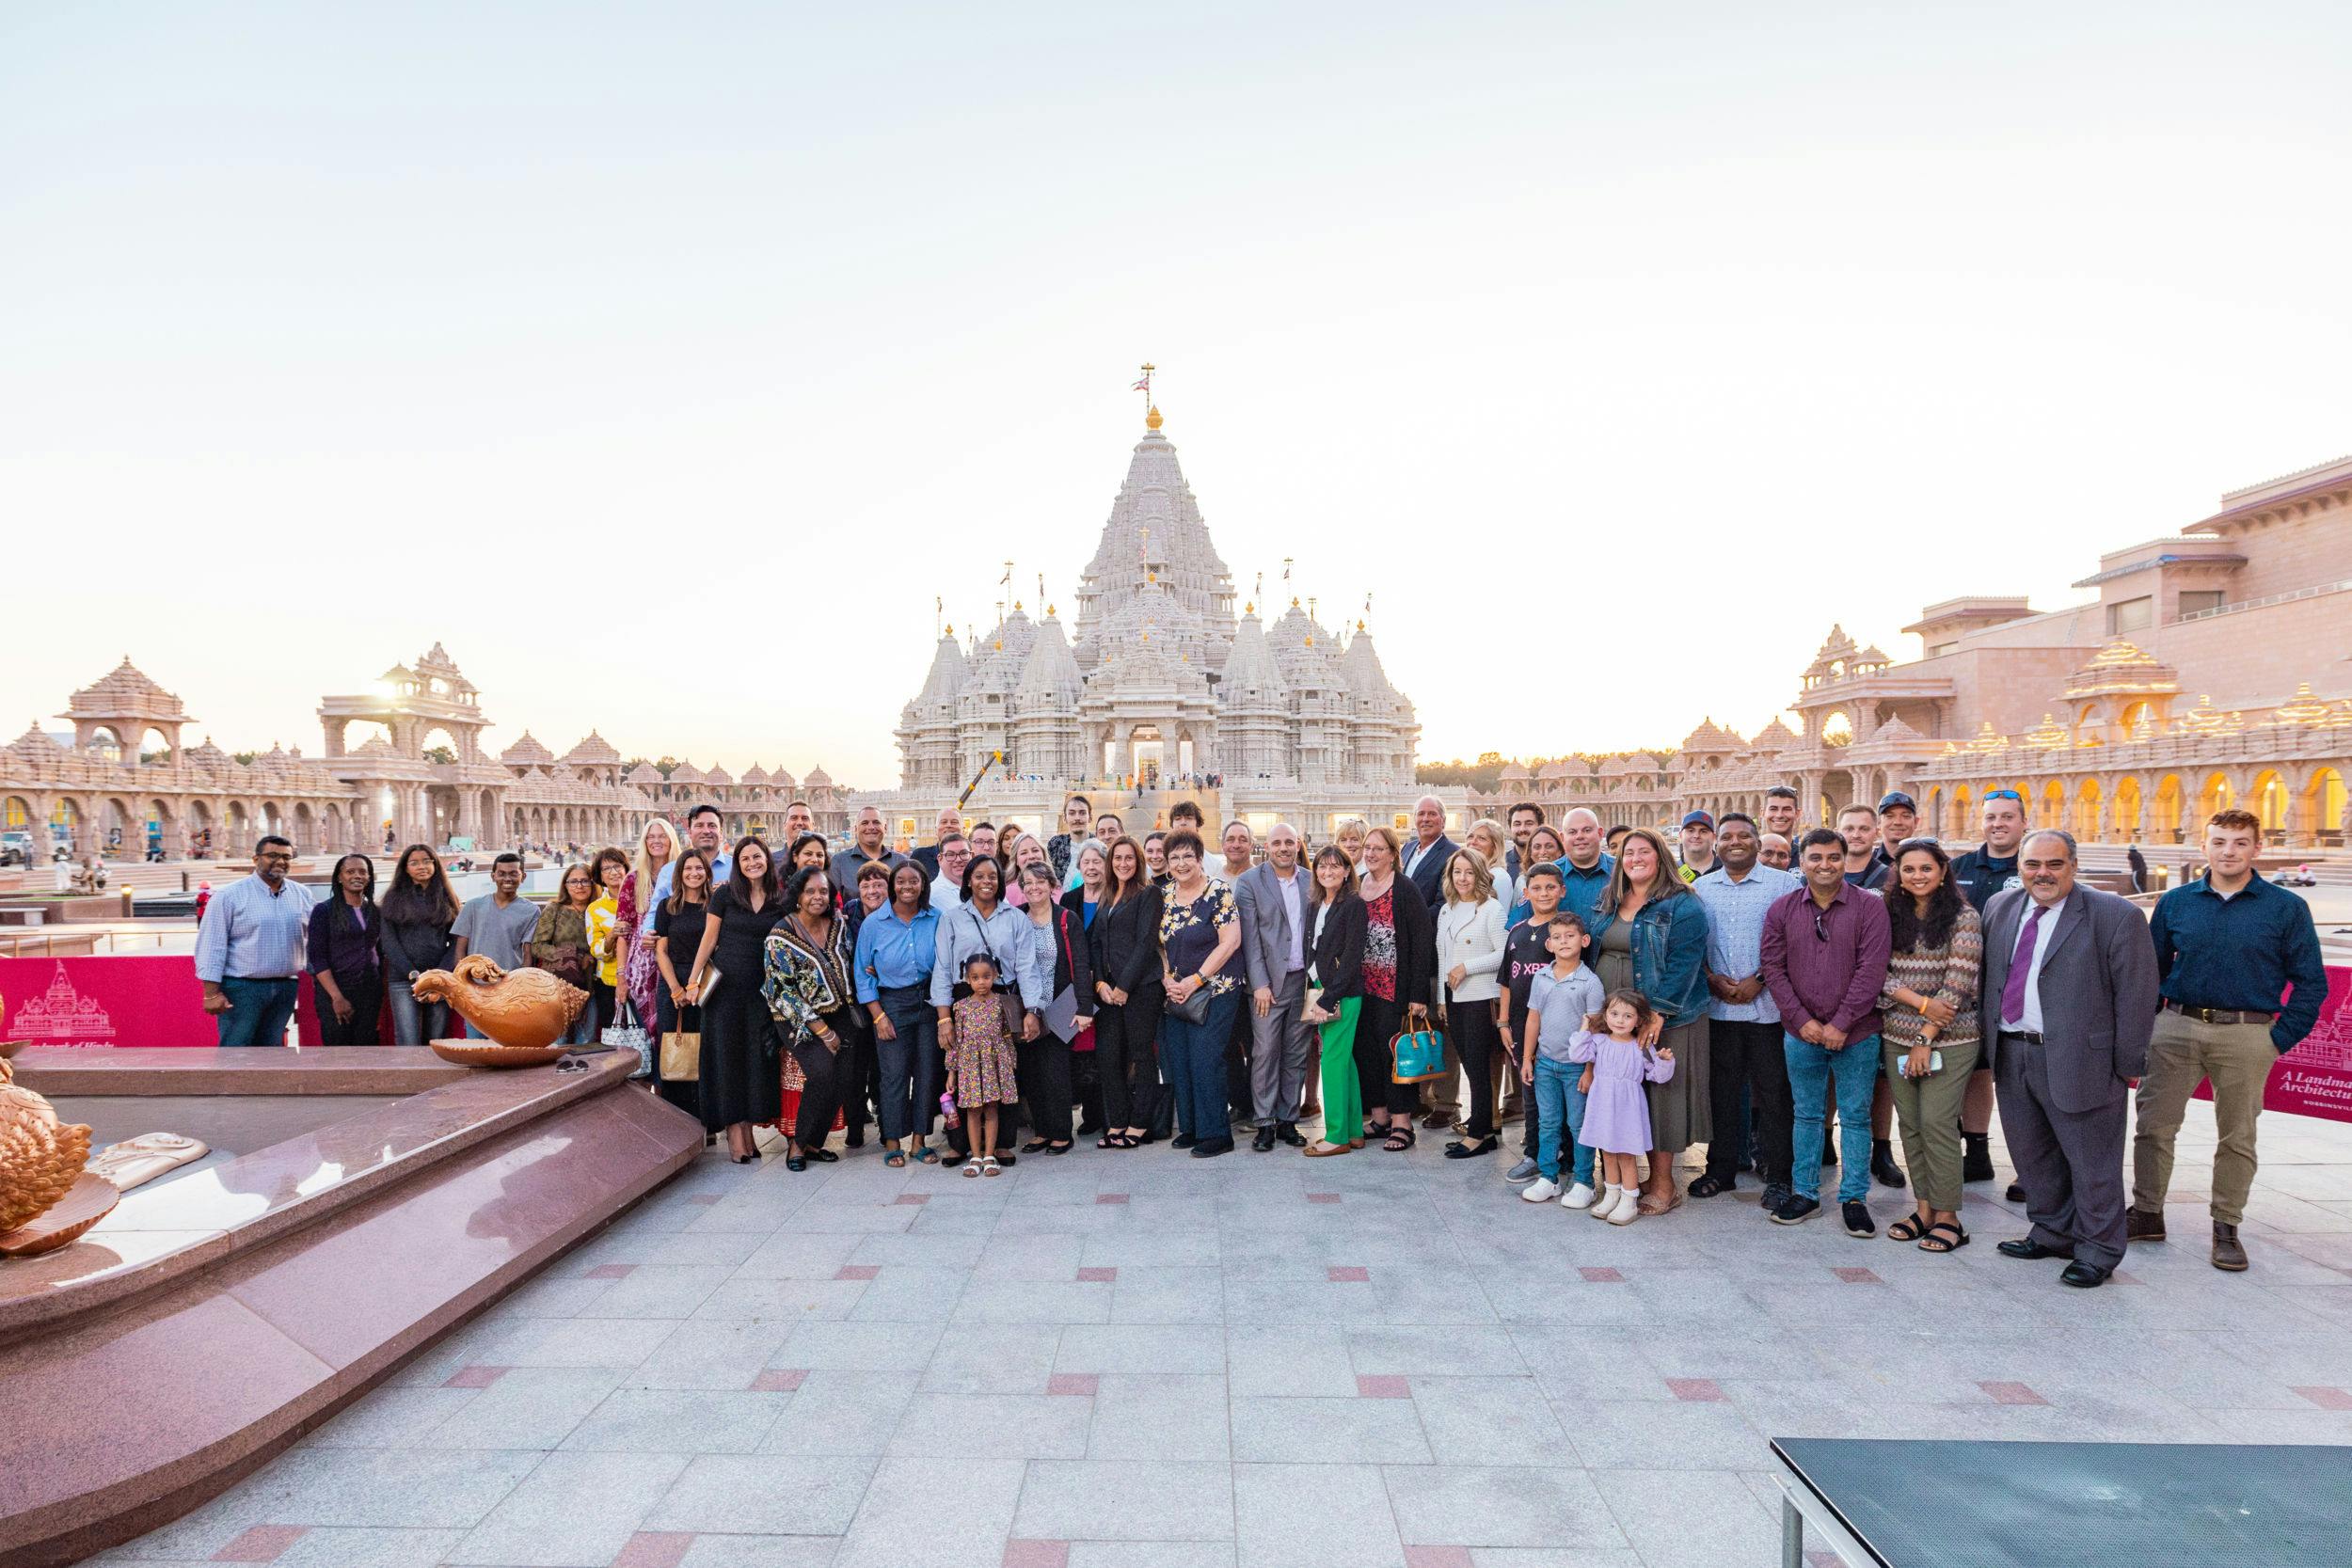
1125 939
2138 864
1928 1020
2069 999
1275 900
1824 952
560 945
345 942
249 948
1744 1046
678 935
2239 961
419 909
1335 998
1467 952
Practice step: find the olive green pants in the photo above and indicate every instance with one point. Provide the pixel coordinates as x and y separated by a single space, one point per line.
2184 1051
1927 1111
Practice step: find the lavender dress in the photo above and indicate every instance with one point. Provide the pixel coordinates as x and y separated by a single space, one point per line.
1616 1116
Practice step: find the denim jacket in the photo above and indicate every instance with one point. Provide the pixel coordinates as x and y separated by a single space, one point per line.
1669 955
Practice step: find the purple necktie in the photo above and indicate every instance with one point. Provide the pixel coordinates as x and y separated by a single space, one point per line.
2020 966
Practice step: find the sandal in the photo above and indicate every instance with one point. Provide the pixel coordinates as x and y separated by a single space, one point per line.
924 1156
989 1165
1400 1137
1944 1236
1909 1228
895 1159
1035 1146
972 1168
1115 1140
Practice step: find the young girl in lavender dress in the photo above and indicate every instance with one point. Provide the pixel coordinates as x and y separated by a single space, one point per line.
1616 1116
982 1066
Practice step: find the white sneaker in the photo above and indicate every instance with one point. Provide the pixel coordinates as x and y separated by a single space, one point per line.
1628 1207
1539 1191
1607 1201
1577 1197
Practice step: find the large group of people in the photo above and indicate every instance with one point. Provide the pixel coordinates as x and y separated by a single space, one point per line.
1783 998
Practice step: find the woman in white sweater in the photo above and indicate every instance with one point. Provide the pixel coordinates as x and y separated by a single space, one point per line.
1469 960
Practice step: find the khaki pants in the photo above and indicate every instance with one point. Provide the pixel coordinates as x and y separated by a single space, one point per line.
1928 1111
2239 1058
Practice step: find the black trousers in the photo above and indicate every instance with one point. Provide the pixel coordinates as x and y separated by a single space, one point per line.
1127 1057
1375 1026
606 1000
1748 1059
860 1086
1471 1035
1240 1099
1045 1077
366 996
829 1078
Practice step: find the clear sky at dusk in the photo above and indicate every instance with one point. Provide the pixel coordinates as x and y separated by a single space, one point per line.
665 361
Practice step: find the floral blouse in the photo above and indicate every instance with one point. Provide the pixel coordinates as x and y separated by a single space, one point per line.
804 978
1380 944
1189 933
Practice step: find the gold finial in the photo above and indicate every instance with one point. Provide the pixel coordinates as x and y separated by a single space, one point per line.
951 631
1250 609
1016 606
1359 625
1294 601
1049 610
1151 574
1151 420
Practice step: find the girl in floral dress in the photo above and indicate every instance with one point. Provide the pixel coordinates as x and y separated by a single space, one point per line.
982 1065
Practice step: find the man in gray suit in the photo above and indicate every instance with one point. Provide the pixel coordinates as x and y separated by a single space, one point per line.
2070 1001
1273 899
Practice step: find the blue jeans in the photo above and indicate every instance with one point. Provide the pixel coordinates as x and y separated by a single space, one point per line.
413 1022
1192 1056
259 1011
1811 1071
1559 1103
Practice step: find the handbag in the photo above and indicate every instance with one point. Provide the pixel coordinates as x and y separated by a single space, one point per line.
1193 1008
628 1035
682 1057
1416 1055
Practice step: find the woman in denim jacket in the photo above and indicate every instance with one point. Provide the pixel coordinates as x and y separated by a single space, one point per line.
1650 933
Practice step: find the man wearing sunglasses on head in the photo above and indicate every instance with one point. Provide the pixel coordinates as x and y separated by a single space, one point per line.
1988 869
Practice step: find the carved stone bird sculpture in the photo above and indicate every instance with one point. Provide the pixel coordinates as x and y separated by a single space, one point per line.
40 1156
526 1007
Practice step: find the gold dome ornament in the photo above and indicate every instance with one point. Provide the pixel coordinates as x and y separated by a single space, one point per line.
47 1199
1151 420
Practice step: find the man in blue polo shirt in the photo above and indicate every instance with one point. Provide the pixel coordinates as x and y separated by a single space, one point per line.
2242 981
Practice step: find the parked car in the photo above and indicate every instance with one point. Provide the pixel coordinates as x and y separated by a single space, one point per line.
16 848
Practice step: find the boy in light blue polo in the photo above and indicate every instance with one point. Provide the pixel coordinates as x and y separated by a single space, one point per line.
1559 999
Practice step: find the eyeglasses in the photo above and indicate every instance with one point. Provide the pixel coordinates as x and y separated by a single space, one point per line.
2004 795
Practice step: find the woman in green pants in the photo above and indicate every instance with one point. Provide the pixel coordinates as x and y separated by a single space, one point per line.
1928 1033
1335 994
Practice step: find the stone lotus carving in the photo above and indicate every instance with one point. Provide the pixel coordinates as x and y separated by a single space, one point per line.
523 1009
134 1161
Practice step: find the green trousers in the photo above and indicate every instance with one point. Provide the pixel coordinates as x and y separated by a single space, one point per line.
1342 1091
1928 1111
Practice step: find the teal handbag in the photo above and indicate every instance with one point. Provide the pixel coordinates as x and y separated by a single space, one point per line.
1417 1053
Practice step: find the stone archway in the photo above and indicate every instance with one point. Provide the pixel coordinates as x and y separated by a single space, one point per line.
1960 824
2051 812
2171 799
2125 817
2087 824
2267 800
2321 817
2217 795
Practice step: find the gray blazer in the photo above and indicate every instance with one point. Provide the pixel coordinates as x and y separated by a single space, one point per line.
1265 923
2097 992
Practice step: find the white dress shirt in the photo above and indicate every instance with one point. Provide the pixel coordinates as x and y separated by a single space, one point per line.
1293 888
2031 1022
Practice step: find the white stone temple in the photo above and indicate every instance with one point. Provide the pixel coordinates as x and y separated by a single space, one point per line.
1161 693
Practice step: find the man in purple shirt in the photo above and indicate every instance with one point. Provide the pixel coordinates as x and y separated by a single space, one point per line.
1824 957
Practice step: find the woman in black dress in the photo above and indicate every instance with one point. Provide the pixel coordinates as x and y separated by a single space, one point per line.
678 935
1126 941
742 1083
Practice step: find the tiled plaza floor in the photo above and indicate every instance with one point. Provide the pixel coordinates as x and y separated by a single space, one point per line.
1147 1360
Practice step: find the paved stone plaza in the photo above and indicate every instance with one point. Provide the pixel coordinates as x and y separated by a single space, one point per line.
1148 1360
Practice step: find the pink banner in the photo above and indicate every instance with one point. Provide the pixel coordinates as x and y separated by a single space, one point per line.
2315 1078
151 999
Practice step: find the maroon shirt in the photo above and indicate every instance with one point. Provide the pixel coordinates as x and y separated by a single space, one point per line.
1826 965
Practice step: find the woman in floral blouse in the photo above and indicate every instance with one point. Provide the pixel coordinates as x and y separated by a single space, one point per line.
1200 933
813 998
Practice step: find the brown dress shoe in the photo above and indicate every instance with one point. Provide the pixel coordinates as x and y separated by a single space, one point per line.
2227 1253
2141 1225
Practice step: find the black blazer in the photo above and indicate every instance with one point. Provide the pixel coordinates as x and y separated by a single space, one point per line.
1416 943
1339 961
1429 875
1126 943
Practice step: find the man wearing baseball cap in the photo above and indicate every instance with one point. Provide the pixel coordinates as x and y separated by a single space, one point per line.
1697 851
1898 820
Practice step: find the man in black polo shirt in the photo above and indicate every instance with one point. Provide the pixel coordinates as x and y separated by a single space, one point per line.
1989 868
2242 977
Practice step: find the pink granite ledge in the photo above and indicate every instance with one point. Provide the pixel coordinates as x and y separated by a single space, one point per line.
335 1070
152 1407
159 1234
